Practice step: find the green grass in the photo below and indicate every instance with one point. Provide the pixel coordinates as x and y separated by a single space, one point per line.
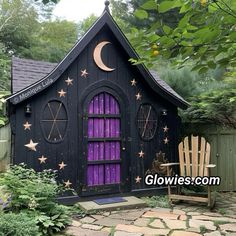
157 201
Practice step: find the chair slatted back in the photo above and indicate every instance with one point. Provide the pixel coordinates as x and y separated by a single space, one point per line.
194 155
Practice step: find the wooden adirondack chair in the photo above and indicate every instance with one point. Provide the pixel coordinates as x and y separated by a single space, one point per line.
194 159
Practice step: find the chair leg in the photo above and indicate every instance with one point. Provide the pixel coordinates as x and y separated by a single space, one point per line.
211 198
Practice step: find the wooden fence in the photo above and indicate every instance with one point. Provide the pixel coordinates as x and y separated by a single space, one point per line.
223 151
5 147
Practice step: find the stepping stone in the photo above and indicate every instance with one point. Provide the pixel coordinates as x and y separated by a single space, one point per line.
127 215
183 233
175 224
131 202
141 222
198 223
109 222
156 214
202 217
161 209
228 227
157 224
87 219
178 212
193 213
212 214
75 223
183 217
92 227
122 233
97 217
215 233
75 231
142 230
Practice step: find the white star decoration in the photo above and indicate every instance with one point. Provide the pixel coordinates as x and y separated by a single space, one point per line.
166 140
62 93
42 159
137 179
165 129
67 183
141 154
69 81
84 73
62 165
31 145
27 125
138 96
133 82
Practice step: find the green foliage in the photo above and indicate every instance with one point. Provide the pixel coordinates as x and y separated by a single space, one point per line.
55 219
30 189
34 193
204 33
18 225
217 106
84 25
157 201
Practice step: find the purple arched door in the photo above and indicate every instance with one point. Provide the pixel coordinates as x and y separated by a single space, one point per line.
104 142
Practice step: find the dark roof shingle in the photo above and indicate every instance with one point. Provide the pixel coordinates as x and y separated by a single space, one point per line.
26 72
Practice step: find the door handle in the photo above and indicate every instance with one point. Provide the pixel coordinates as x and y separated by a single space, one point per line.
123 145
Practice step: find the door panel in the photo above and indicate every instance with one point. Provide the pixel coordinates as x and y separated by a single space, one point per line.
104 137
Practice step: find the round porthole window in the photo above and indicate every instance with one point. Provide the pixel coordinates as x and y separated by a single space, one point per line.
54 121
147 121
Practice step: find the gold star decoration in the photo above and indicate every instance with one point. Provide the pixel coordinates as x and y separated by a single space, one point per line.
141 154
165 129
31 145
62 165
138 96
84 73
69 81
166 140
67 183
27 125
133 82
42 159
137 179
62 93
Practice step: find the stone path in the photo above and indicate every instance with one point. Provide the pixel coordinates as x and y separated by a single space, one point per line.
182 220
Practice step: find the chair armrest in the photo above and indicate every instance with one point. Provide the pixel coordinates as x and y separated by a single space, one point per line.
170 164
210 166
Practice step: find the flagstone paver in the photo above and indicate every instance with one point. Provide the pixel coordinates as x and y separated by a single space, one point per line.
92 227
215 233
198 223
161 215
122 233
87 219
142 222
187 219
111 222
228 227
157 224
143 230
184 233
175 224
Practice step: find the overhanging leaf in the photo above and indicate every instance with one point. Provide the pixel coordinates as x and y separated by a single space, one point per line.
141 14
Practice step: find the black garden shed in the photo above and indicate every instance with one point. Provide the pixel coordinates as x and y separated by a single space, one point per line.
94 117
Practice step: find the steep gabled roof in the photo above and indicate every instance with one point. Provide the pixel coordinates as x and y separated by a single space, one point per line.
105 20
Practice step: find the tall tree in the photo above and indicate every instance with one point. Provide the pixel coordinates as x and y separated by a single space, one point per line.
205 32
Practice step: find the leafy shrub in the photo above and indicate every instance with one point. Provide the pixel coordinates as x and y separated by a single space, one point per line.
157 201
18 225
30 189
35 193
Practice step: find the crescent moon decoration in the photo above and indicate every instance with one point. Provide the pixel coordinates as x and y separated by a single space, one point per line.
98 57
